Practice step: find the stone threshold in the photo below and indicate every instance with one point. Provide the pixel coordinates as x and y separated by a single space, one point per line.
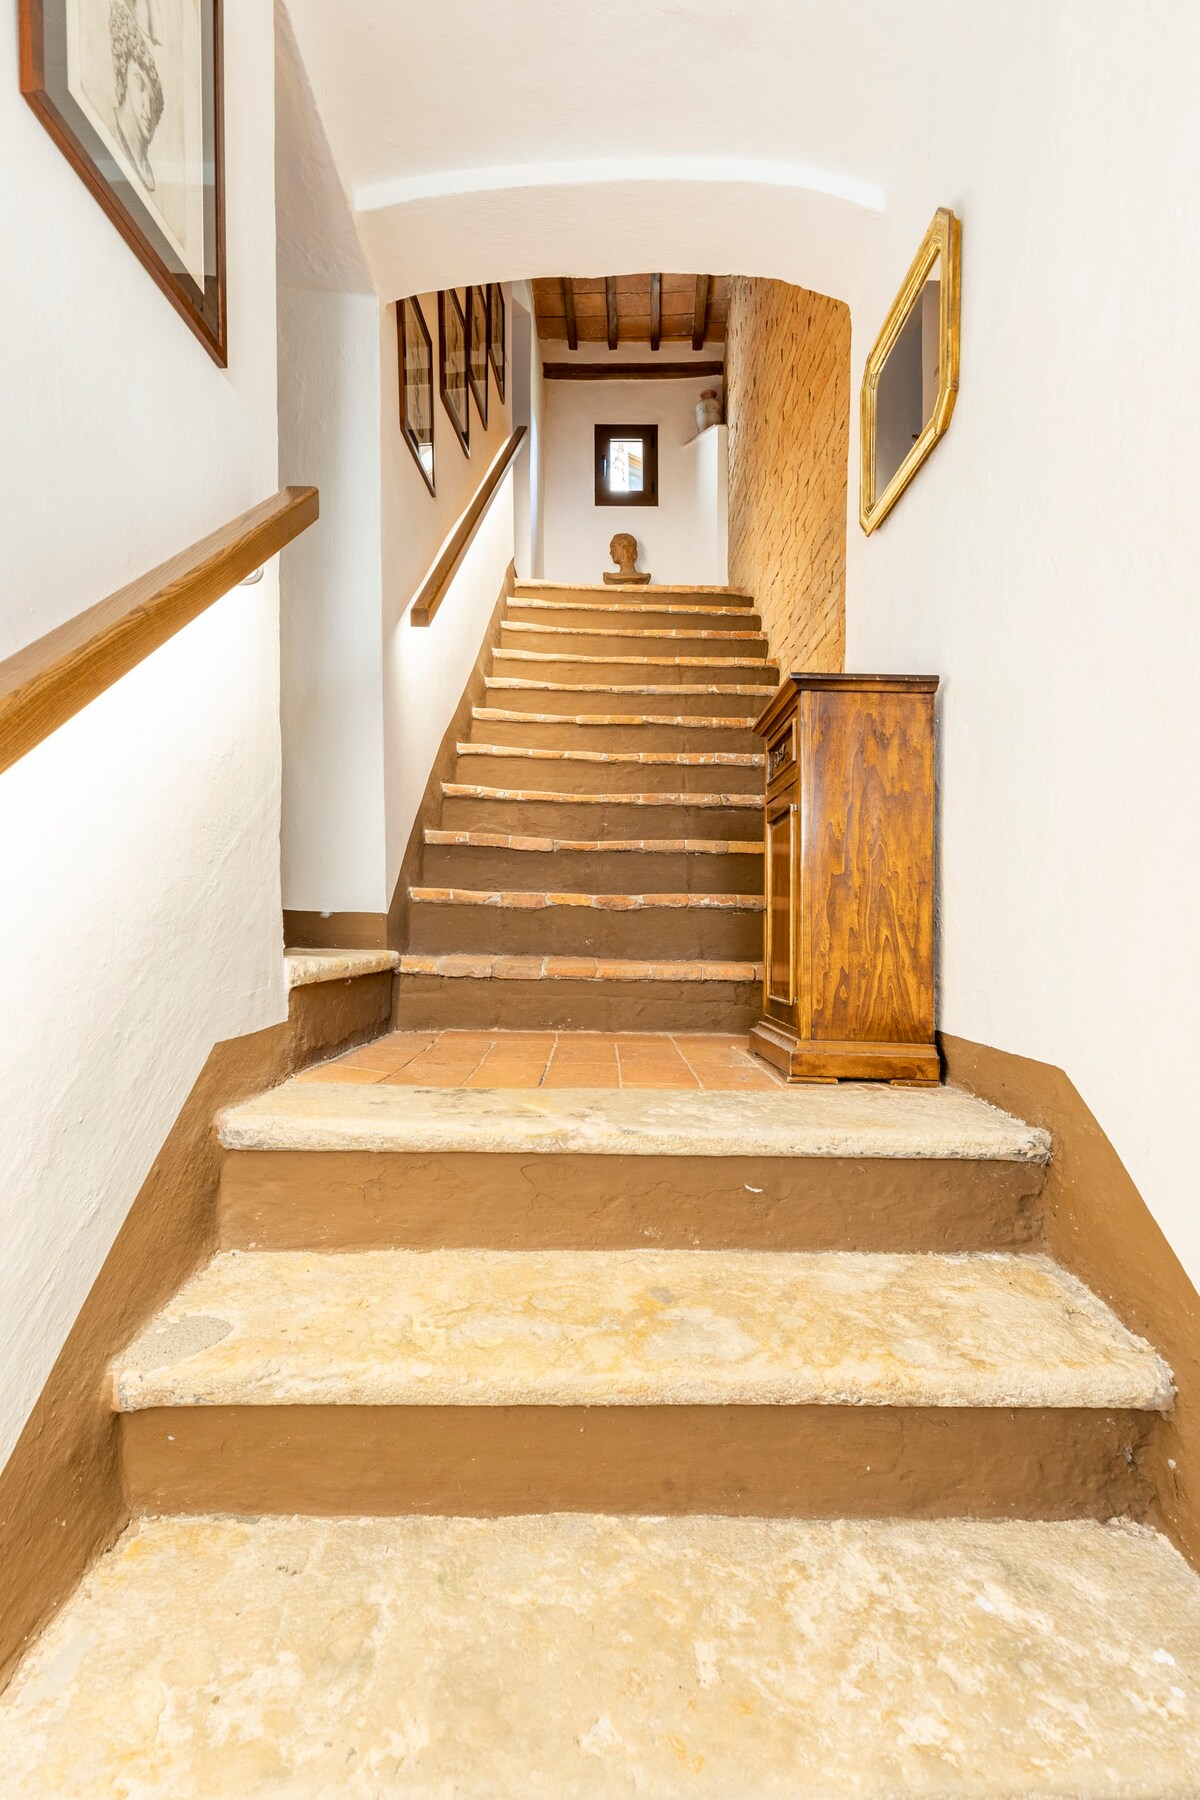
685 759
305 967
855 1119
521 900
499 840
461 790
637 1328
462 966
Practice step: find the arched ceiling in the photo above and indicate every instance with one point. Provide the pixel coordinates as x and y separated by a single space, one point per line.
480 141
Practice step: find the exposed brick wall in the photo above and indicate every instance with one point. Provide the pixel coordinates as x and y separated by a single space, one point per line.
787 399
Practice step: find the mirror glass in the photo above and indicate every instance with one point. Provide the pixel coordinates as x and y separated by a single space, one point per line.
908 381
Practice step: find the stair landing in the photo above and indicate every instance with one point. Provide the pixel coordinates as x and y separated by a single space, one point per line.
590 1658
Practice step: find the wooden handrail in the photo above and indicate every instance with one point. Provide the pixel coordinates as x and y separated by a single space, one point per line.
433 588
48 682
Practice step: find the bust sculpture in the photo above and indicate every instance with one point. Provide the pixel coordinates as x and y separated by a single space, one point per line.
624 552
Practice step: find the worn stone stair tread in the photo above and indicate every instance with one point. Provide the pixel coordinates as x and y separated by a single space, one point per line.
584 1657
852 1120
499 840
531 603
645 662
532 900
688 759
304 967
636 1328
498 715
515 682
469 965
633 631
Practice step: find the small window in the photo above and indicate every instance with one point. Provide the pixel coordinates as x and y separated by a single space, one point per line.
627 465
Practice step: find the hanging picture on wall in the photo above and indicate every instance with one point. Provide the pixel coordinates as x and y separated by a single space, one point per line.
477 359
496 334
452 365
131 92
416 385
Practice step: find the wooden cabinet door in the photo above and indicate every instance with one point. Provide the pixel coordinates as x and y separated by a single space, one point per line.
779 958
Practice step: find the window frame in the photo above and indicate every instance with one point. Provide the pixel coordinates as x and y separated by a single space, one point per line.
649 436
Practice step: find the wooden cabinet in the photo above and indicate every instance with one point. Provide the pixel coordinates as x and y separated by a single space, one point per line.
848 951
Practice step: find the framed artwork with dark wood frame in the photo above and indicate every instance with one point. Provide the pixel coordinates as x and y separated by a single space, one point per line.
627 465
478 338
131 91
416 385
454 346
496 335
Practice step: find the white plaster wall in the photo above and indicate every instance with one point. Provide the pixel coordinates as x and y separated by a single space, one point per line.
677 539
332 661
1044 564
140 905
425 668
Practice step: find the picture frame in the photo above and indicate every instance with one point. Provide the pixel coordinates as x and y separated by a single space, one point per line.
497 337
453 365
132 92
416 386
922 321
478 337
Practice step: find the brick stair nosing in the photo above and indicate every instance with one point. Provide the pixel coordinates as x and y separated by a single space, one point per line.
707 608
456 966
667 634
690 721
689 759
537 900
499 840
461 790
652 662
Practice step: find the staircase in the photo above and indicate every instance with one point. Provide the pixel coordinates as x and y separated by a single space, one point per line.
598 861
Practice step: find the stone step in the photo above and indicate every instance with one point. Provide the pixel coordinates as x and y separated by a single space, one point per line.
582 1655
855 1167
716 927
625 640
554 812
603 770
340 1350
524 694
612 731
628 672
591 865
626 594
666 613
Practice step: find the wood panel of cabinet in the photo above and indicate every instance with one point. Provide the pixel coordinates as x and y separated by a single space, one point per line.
849 931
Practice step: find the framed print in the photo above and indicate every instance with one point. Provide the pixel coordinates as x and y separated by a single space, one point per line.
416 385
496 337
131 92
454 336
477 348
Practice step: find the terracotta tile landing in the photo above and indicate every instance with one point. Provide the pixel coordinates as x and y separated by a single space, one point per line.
711 1061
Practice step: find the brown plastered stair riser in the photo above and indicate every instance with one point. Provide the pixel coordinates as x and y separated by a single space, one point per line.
605 926
521 694
560 730
622 641
589 1002
473 807
572 771
470 859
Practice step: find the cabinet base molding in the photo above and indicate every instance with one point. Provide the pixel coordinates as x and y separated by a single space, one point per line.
815 1060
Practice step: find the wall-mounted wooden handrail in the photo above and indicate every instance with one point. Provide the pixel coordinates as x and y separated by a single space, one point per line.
433 588
48 682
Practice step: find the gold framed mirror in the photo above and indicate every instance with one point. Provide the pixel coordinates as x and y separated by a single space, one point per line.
910 381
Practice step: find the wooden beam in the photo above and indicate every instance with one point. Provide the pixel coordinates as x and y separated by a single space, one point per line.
655 311
568 291
610 304
632 371
700 314
435 584
48 682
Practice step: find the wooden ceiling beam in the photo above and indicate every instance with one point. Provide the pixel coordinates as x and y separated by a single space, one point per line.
655 311
568 293
610 303
700 312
